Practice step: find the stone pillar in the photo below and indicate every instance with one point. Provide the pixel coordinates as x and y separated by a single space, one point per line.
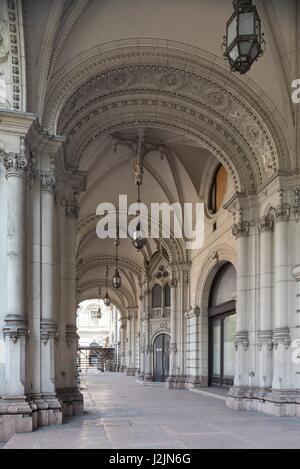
148 376
123 345
15 412
70 396
193 341
265 333
241 379
296 342
129 342
281 333
131 334
51 412
172 379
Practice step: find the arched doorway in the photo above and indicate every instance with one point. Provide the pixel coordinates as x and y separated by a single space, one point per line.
222 327
161 357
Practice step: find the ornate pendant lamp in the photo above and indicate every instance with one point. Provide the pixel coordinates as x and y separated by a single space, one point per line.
99 313
244 41
138 237
117 281
106 298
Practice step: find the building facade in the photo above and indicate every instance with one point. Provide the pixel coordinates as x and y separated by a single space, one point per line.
81 82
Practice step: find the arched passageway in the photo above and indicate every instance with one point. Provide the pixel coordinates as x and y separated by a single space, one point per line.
111 112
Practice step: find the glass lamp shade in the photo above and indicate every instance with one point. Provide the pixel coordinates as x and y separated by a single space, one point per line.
116 281
106 300
138 240
244 42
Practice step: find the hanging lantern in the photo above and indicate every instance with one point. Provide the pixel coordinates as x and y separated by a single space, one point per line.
138 238
244 42
106 298
117 281
99 312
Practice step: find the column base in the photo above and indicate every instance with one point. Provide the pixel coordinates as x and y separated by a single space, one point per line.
131 371
272 402
16 416
47 409
176 382
194 382
148 377
71 402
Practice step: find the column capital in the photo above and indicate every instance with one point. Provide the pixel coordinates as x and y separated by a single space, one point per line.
48 181
241 229
282 336
265 225
296 273
49 330
241 340
265 338
15 164
282 213
15 327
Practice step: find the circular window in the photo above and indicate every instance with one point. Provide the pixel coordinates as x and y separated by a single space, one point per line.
218 189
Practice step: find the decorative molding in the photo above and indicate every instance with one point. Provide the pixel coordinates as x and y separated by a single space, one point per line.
15 327
282 336
15 164
49 330
265 338
241 340
189 84
48 182
241 229
71 335
15 52
265 224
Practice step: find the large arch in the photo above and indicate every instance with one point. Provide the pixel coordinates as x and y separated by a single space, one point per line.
167 85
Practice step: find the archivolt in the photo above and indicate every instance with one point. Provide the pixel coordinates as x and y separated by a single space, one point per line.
173 86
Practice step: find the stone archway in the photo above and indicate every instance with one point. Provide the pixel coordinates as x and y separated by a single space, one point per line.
167 86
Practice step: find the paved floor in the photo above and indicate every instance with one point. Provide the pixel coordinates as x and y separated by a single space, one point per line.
120 413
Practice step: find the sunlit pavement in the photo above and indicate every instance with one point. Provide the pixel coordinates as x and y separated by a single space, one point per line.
120 413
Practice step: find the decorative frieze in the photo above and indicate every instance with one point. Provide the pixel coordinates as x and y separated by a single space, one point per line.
48 331
15 327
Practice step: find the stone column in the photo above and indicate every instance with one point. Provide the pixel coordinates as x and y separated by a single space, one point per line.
15 412
148 376
173 345
241 380
52 412
123 345
281 333
296 342
265 334
129 370
70 394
